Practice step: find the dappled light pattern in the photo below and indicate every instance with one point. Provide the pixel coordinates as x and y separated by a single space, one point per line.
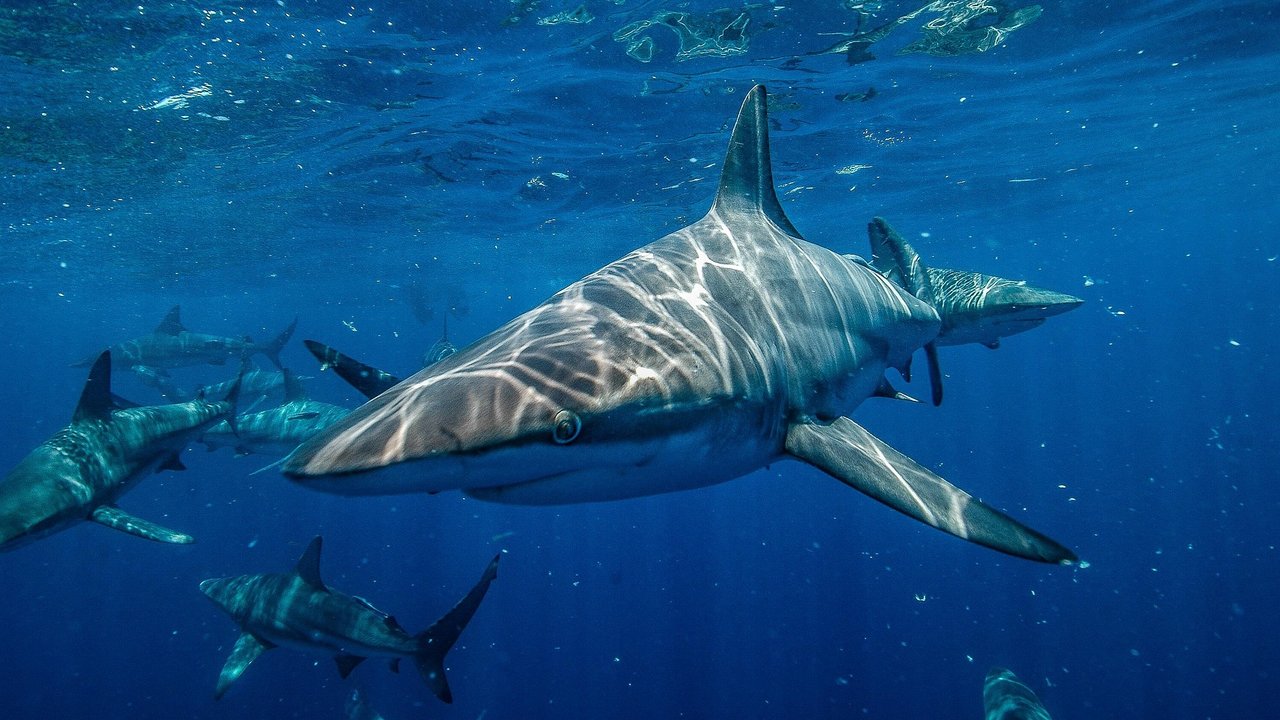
960 27
700 36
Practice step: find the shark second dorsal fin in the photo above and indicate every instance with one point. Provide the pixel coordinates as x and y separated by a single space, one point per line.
746 183
95 400
172 322
309 565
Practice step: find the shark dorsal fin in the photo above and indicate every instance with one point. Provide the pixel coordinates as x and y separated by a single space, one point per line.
894 257
96 401
172 322
309 565
746 184
292 387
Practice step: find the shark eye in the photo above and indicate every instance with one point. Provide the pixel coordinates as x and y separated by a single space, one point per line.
567 426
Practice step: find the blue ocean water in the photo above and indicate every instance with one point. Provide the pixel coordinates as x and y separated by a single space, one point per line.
374 169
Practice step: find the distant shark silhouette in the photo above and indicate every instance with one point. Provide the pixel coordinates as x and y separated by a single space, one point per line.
712 352
299 610
108 448
171 345
1005 697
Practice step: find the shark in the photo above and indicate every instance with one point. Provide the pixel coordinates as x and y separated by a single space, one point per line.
256 383
1005 697
171 345
107 449
297 609
717 350
276 431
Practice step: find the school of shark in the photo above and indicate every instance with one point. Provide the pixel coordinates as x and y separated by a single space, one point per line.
715 351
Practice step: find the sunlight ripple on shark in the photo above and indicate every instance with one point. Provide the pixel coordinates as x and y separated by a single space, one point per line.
712 352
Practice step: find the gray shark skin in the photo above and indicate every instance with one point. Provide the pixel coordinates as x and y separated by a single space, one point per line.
710 353
161 382
173 346
82 471
279 430
297 609
1004 697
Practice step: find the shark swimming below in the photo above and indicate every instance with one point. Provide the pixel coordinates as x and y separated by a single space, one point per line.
108 448
171 345
297 609
1005 697
710 353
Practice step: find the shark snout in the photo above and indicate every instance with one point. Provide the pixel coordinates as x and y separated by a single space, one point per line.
1033 302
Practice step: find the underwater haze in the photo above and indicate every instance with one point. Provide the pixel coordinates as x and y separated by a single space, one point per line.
378 170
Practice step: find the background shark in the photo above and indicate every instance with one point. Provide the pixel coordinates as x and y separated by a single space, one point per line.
82 471
1005 697
712 352
171 345
973 307
297 609
279 430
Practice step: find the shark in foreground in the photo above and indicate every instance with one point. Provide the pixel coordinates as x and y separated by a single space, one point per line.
171 345
108 448
297 609
1005 697
721 348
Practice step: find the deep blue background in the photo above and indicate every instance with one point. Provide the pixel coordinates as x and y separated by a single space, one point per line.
378 149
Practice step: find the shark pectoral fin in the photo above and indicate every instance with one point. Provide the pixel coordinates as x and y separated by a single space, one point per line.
114 517
346 663
172 463
862 461
247 649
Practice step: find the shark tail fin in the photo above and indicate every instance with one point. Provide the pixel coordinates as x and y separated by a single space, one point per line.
434 642
273 348
746 183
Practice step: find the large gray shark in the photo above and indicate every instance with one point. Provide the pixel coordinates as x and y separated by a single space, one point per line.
1005 697
710 353
82 471
279 430
171 345
297 609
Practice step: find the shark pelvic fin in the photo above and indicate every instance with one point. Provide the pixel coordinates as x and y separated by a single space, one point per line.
347 662
114 517
435 641
746 183
172 322
173 462
96 400
886 390
247 649
846 451
309 565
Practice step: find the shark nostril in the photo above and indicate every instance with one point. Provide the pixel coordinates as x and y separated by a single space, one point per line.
566 427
